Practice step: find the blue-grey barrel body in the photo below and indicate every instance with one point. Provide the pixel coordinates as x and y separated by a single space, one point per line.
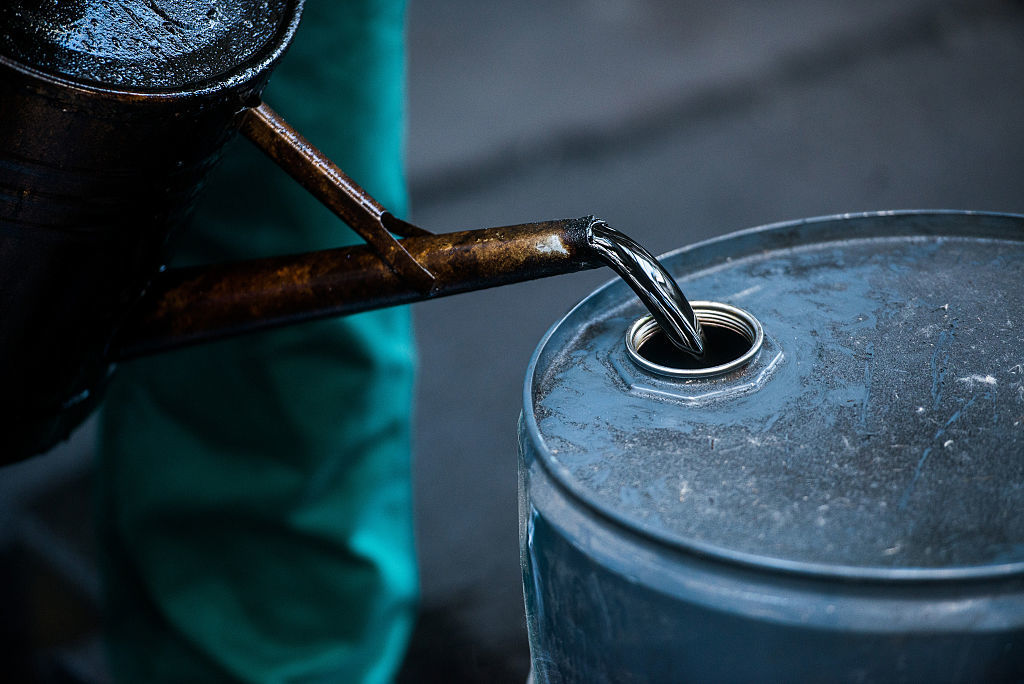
846 506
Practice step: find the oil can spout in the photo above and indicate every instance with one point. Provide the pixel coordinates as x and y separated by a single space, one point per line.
193 305
189 306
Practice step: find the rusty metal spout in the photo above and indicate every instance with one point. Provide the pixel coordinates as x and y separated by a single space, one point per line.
192 305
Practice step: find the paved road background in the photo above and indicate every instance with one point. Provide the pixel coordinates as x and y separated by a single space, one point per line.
674 120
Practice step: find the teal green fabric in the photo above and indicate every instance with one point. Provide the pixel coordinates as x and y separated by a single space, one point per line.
254 495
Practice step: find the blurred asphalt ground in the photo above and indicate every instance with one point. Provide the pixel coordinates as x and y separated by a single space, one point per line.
673 120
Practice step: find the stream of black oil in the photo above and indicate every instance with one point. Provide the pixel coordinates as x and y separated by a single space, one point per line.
658 290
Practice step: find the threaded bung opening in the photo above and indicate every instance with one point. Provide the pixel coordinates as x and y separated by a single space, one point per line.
732 337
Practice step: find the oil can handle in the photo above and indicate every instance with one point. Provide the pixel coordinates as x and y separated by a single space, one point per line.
339 193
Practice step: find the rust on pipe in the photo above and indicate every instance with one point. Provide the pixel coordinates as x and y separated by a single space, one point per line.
192 305
339 193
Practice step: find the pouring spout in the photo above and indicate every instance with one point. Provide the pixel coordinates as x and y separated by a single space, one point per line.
192 305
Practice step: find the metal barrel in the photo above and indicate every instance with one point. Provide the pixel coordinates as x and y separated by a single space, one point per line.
843 505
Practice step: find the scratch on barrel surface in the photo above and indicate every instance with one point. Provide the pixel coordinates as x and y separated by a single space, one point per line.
983 379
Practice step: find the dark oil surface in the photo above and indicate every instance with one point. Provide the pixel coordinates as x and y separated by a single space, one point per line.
721 345
170 44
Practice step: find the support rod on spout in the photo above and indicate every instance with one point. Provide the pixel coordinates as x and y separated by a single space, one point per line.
191 305
339 193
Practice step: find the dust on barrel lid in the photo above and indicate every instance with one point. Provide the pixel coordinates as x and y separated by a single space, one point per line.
146 45
879 431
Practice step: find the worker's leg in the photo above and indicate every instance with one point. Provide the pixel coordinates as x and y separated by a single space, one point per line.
255 499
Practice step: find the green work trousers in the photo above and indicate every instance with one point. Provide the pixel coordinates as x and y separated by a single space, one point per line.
254 506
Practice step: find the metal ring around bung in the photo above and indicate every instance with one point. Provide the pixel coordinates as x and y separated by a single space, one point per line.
710 314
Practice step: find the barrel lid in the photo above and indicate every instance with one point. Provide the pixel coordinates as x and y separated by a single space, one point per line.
145 45
879 432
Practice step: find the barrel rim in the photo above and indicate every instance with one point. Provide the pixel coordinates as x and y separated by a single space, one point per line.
816 226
